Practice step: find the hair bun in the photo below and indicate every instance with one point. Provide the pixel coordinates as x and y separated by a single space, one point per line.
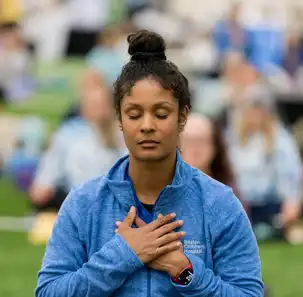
145 44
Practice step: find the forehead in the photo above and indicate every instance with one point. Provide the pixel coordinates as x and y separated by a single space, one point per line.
256 108
148 92
97 95
198 127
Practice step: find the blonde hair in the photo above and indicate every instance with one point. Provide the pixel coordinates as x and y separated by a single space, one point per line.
268 131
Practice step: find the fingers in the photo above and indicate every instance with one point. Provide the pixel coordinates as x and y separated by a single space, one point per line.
168 228
130 218
160 221
170 247
170 237
128 221
140 223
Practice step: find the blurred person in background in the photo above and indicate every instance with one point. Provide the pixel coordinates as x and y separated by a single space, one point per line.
82 148
288 79
46 25
266 162
90 80
26 154
109 55
203 146
86 21
16 79
199 54
266 41
230 34
217 98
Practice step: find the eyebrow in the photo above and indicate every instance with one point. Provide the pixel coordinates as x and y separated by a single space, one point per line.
158 104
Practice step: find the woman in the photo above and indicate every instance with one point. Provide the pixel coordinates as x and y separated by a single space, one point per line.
203 147
266 161
82 148
116 235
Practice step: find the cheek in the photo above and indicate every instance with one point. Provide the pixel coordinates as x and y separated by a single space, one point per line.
130 128
169 130
209 152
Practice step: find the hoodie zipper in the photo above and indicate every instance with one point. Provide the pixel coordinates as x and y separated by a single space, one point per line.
149 269
148 282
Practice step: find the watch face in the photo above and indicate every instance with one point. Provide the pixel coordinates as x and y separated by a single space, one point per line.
185 277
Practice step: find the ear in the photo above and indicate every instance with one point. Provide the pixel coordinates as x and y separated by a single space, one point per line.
183 118
120 126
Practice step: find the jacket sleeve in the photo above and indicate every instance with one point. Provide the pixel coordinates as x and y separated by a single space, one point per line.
66 270
237 269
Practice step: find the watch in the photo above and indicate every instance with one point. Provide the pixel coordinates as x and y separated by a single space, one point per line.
185 276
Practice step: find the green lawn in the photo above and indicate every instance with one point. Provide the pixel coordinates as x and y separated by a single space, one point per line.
20 263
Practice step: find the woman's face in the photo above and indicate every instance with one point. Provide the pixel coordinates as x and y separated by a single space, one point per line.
197 143
96 105
150 121
255 118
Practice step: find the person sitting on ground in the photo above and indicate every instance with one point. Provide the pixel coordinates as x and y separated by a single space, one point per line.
107 57
82 148
16 77
266 162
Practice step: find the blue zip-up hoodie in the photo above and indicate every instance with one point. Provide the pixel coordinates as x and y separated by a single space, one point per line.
85 257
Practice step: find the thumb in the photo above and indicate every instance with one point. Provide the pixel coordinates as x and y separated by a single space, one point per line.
130 218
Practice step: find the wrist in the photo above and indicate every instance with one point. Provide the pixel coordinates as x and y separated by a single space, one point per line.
177 268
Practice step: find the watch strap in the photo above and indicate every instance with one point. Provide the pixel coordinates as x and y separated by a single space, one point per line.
185 276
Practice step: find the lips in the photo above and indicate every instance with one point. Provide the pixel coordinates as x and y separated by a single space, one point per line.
148 143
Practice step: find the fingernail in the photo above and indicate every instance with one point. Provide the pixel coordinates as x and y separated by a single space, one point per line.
179 243
183 233
173 215
118 223
160 215
132 209
180 222
116 230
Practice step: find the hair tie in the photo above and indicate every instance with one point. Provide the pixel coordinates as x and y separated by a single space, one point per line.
141 56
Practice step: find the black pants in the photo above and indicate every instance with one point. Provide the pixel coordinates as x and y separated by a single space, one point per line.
265 213
81 42
2 96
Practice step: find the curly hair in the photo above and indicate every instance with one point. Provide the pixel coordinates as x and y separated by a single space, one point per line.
148 59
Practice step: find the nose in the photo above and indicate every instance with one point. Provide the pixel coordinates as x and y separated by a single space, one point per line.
147 124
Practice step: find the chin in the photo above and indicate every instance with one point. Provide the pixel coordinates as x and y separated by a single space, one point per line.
151 156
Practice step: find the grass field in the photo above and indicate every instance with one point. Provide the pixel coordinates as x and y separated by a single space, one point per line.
20 261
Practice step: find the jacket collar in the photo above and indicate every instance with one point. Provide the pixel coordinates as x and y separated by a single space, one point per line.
122 188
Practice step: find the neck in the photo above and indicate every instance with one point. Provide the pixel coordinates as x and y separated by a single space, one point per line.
150 178
206 171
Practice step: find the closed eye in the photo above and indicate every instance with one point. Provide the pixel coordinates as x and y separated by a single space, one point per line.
134 117
162 117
